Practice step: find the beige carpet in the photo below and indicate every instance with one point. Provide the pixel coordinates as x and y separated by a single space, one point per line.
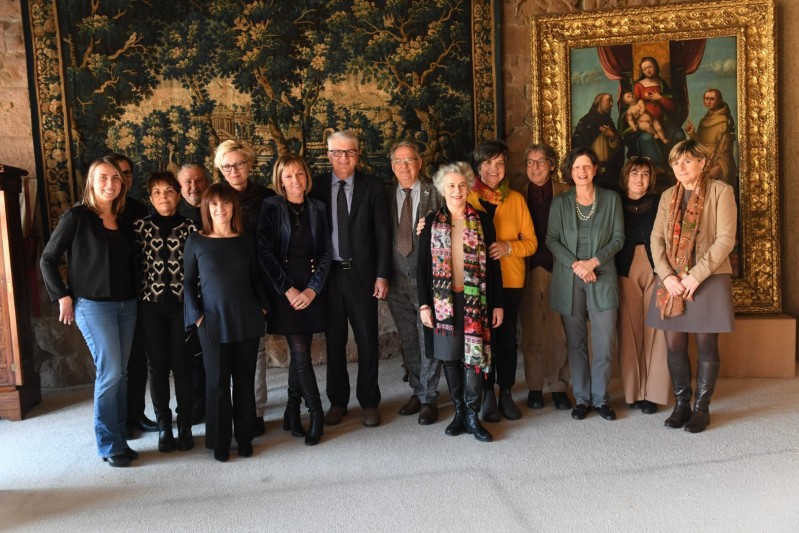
545 472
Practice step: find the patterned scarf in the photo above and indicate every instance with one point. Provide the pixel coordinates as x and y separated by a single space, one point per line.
476 322
494 196
680 244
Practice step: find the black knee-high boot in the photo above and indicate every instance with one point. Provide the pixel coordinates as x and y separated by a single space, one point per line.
680 370
473 385
291 416
454 375
310 391
706 375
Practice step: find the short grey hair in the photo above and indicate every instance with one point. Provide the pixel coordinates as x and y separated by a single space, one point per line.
347 135
459 167
399 144
187 166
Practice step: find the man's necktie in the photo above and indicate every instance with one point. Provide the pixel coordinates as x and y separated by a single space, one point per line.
405 232
343 213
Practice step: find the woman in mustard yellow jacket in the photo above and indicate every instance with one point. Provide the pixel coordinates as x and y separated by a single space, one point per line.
691 241
515 240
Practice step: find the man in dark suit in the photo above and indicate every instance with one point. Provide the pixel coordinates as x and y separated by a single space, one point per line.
409 200
358 216
194 181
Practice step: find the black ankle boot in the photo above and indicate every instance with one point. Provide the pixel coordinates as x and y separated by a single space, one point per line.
706 375
680 370
166 441
185 438
454 375
473 386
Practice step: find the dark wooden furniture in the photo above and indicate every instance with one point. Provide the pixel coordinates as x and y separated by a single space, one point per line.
20 387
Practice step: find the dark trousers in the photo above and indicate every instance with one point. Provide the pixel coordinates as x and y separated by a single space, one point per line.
225 362
195 352
137 375
165 341
349 302
504 345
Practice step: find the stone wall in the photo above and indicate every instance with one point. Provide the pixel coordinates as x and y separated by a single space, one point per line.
62 355
16 148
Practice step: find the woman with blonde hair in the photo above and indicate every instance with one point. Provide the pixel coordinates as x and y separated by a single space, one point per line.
235 160
294 251
100 295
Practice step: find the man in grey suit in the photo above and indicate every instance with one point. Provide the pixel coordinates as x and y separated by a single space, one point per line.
409 200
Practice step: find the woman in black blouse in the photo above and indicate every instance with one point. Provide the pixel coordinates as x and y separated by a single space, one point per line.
100 295
160 240
642 350
225 300
294 251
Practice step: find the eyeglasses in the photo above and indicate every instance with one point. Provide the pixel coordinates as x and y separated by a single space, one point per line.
537 162
238 166
406 161
338 153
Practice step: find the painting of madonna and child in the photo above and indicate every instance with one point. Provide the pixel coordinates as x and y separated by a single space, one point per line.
641 99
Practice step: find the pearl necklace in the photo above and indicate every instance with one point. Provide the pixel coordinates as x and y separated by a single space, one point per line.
580 214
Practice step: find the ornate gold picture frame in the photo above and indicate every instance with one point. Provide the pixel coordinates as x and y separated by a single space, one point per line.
751 24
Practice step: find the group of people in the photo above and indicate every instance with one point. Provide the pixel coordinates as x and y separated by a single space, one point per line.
212 268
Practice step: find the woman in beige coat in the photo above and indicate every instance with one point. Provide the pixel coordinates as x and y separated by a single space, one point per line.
693 236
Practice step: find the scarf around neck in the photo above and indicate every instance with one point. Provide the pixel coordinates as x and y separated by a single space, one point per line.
494 196
681 243
476 322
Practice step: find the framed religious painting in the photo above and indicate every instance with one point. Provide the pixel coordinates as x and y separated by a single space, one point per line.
647 78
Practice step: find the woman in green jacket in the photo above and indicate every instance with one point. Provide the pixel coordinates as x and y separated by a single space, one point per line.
585 231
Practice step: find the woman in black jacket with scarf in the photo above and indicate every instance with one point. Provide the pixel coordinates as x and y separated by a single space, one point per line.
294 252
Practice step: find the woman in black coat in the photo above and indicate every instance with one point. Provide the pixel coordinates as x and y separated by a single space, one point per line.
460 294
294 252
225 300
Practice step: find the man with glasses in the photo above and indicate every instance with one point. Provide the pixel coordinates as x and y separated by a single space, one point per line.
361 266
409 200
543 339
137 364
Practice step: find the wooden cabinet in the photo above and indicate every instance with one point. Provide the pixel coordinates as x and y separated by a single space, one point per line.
19 383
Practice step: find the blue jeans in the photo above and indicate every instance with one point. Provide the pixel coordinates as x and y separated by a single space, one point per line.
108 328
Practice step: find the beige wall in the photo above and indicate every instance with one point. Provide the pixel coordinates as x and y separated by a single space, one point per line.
16 146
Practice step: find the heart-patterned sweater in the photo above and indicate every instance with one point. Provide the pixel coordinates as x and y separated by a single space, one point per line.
159 242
